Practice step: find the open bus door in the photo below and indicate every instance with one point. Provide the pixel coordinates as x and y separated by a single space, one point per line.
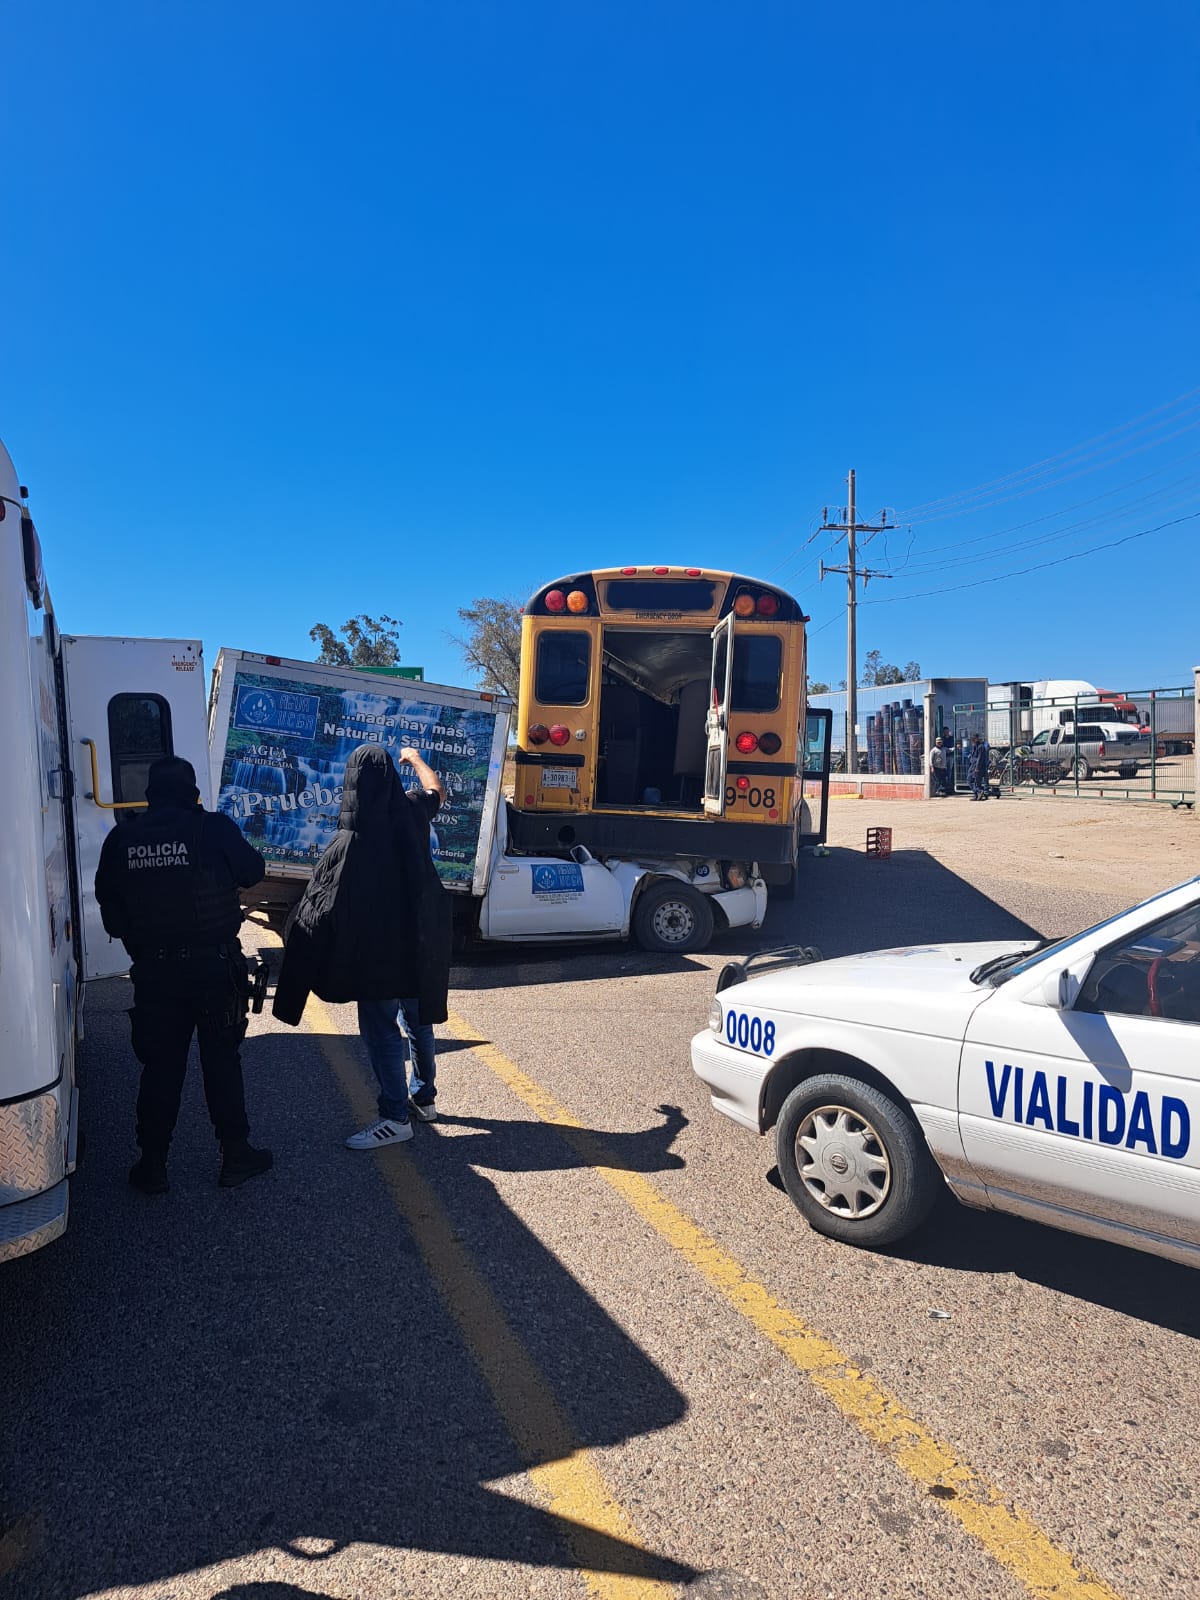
818 737
716 726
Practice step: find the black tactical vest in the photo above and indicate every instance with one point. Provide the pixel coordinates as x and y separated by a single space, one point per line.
175 897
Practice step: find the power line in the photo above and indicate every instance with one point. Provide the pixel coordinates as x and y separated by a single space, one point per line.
1048 516
1067 477
913 512
1066 532
1003 577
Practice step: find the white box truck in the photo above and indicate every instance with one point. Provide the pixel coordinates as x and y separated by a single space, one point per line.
281 732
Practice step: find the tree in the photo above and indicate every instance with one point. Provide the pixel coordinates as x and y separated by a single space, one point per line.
492 645
367 642
877 672
817 687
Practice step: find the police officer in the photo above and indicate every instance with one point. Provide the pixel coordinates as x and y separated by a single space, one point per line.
167 886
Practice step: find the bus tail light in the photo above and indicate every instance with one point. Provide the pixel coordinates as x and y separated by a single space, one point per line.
556 601
577 602
743 606
747 743
767 606
743 782
770 743
538 734
559 734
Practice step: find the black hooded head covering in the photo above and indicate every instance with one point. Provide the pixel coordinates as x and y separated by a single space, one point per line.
374 922
369 791
171 781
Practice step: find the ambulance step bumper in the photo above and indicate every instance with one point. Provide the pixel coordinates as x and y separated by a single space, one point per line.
29 1224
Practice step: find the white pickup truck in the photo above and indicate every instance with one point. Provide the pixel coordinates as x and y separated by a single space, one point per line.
1082 748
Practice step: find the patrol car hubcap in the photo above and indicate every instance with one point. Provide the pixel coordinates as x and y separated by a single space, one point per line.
843 1162
673 921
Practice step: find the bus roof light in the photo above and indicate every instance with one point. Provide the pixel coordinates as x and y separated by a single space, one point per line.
556 601
693 572
660 572
628 572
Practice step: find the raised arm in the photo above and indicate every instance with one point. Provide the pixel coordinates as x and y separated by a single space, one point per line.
426 776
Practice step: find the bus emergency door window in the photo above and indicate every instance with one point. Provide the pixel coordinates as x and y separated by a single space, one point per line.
563 668
139 734
757 660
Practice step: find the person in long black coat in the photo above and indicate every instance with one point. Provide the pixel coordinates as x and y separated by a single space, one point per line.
374 923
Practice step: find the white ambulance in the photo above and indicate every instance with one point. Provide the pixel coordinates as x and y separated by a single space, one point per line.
81 719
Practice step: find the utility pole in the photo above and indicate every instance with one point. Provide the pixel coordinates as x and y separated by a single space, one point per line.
850 527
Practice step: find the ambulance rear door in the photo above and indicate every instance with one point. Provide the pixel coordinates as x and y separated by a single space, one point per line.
129 702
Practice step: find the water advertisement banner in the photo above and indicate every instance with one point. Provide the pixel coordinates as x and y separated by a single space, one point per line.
286 752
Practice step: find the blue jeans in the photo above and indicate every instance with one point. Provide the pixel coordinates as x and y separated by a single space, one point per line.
422 1086
388 1050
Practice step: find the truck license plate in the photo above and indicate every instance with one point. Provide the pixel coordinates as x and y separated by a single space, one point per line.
560 778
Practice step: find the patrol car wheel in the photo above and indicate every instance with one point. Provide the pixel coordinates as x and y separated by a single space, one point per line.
671 917
853 1161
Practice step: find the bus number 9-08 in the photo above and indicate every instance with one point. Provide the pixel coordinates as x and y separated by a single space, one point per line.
752 797
750 1033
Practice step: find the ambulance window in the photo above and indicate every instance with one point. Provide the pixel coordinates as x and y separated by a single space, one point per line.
139 734
757 659
563 663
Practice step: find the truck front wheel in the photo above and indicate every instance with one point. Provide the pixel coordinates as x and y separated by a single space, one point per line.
672 917
853 1161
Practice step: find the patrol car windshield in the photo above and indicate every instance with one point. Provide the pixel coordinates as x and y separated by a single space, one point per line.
1000 970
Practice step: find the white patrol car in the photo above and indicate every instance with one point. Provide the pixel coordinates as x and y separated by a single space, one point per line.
1060 1082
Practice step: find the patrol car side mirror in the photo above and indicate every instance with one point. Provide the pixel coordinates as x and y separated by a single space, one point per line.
1060 990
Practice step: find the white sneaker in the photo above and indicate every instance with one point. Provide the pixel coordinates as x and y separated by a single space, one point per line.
423 1113
379 1134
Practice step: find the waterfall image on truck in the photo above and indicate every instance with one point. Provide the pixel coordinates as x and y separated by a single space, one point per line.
285 762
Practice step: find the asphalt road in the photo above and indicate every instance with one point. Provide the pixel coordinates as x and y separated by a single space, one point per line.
573 1338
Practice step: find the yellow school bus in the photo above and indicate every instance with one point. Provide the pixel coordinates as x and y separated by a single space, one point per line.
662 710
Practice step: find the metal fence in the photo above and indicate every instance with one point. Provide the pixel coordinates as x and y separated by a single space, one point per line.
1139 745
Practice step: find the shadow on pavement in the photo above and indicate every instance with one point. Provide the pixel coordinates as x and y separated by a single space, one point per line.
1122 1279
209 1373
844 902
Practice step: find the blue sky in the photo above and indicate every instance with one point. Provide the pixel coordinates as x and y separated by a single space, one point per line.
312 310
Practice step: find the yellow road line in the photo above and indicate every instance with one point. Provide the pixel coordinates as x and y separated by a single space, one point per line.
1008 1534
614 1563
